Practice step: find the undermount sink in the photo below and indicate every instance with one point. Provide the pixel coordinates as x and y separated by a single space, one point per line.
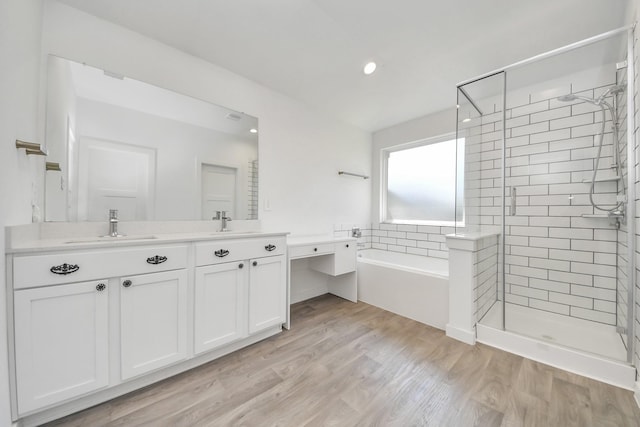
233 232
109 239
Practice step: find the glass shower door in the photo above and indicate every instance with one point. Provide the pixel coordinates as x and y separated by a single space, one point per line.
480 202
562 247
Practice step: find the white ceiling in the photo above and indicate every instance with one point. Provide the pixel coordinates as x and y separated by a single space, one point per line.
314 50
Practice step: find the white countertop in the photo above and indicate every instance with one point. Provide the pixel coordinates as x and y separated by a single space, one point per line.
316 239
78 243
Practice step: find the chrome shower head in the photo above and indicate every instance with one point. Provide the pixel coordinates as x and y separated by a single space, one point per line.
567 98
572 97
615 89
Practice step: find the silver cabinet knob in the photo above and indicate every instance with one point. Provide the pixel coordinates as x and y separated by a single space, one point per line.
127 283
101 287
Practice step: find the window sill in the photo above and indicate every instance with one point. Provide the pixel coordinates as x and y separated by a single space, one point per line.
430 223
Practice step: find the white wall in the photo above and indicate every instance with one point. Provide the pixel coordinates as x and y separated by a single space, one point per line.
20 55
300 150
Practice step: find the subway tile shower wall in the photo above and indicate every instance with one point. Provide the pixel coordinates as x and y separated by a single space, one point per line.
622 261
485 268
557 259
636 199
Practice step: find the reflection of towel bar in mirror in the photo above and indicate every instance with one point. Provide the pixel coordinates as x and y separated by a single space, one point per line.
52 166
31 147
353 174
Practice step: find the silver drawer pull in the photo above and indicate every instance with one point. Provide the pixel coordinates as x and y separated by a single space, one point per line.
158 259
270 247
64 269
221 253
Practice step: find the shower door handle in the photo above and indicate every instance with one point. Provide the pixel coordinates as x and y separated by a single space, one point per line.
513 200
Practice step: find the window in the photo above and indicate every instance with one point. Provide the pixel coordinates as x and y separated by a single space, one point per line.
419 182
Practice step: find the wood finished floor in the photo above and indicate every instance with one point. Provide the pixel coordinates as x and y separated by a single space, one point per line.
345 364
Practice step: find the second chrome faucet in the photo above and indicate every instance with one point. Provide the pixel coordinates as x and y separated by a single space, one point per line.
113 224
222 216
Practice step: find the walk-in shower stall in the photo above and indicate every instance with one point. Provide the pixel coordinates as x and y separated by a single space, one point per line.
549 166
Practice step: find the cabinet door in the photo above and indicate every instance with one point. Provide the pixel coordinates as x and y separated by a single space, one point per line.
220 305
153 321
267 293
345 261
61 342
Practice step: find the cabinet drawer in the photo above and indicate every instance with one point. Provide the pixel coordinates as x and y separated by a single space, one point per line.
311 250
341 262
234 250
67 267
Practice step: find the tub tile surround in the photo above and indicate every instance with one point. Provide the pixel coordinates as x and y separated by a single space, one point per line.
426 240
557 260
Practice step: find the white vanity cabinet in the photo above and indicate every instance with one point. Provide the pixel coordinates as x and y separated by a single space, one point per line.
335 257
343 260
267 293
89 323
62 322
240 289
61 342
153 321
220 308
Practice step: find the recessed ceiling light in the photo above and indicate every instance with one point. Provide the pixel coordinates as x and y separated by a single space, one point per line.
234 116
466 120
253 130
370 68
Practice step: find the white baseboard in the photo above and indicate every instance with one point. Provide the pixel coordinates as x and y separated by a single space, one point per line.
308 293
464 335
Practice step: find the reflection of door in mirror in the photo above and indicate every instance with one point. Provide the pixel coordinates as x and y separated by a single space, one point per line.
104 106
219 184
115 176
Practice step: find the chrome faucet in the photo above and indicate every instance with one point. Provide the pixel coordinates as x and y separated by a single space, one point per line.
113 223
222 216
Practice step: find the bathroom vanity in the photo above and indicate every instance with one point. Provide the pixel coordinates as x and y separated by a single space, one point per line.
91 319
334 257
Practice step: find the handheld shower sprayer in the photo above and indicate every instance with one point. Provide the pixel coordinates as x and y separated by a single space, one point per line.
618 209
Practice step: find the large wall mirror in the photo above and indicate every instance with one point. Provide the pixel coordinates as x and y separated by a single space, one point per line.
151 153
